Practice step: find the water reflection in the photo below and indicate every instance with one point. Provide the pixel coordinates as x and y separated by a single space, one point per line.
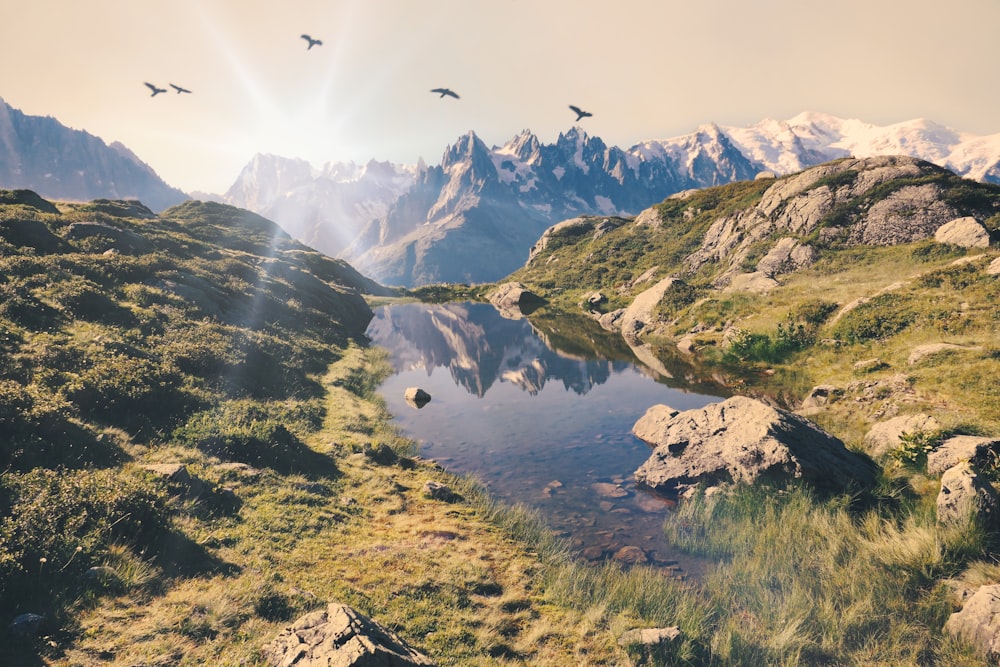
542 416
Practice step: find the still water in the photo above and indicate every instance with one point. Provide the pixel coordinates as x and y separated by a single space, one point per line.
542 414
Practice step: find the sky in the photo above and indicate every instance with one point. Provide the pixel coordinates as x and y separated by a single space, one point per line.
645 69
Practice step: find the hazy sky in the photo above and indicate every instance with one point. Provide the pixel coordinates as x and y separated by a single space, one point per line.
646 69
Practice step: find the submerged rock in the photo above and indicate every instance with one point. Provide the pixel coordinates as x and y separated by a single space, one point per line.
744 440
340 636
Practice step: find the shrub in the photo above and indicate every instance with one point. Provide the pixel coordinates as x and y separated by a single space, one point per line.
815 312
885 315
129 391
250 433
56 524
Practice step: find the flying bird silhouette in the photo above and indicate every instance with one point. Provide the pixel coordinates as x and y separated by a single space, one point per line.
580 113
445 91
179 89
312 42
156 91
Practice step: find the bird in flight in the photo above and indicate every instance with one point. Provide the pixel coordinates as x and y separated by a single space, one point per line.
445 91
312 42
580 113
156 91
179 89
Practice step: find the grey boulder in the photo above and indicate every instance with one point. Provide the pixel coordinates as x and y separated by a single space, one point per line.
743 440
340 636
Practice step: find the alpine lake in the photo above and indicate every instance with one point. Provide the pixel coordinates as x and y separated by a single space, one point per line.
541 412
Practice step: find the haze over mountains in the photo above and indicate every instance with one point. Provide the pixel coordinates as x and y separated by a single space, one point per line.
475 216
41 154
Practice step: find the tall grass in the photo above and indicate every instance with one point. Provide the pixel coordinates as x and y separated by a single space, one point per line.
808 581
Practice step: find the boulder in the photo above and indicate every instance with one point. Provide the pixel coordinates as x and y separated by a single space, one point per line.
978 622
592 300
965 232
965 495
438 491
26 625
980 451
514 299
821 395
994 268
416 396
340 636
883 437
744 440
641 312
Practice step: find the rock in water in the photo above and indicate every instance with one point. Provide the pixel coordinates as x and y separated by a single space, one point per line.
744 440
417 397
340 636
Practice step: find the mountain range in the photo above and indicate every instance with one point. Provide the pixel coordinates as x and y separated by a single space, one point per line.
474 217
41 154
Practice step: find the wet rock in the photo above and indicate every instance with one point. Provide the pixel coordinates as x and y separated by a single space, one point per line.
340 635
514 300
416 397
608 490
980 451
978 622
630 555
744 440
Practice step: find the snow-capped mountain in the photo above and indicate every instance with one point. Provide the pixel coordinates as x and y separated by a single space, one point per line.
812 138
474 217
324 208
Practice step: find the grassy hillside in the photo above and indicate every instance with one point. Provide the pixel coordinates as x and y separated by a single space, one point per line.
207 337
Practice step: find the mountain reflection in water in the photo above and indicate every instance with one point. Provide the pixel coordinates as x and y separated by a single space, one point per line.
542 417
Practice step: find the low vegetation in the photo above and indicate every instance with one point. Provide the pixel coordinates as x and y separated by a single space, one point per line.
206 337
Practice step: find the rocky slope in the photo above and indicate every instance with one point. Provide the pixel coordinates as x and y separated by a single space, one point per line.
473 217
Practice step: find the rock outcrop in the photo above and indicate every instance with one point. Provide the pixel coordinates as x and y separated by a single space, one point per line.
965 232
744 440
339 636
514 300
965 496
884 437
978 622
977 450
